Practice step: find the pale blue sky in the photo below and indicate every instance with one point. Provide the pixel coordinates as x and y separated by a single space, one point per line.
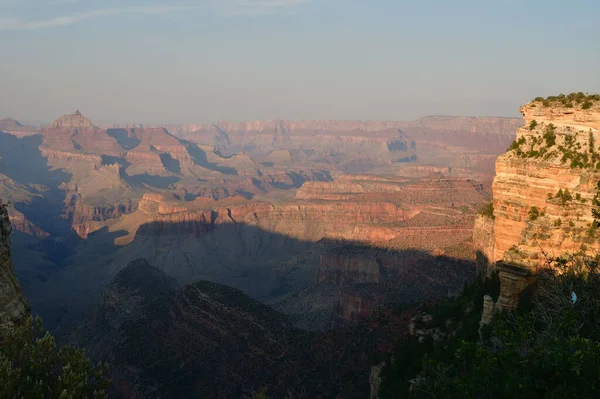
196 61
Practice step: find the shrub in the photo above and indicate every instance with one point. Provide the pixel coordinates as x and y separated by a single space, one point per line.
592 229
488 210
550 135
32 366
586 105
533 213
558 222
564 196
532 124
516 145
547 348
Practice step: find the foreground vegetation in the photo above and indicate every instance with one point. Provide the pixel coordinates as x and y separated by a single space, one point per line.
548 347
33 366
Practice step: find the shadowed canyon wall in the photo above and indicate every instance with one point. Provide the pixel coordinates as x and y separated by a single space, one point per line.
14 309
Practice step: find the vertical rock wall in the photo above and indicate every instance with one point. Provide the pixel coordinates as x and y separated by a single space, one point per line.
542 195
14 309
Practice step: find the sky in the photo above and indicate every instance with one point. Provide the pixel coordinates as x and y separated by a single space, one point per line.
204 61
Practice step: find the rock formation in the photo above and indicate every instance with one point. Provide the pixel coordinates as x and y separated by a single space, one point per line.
488 310
542 193
14 309
287 192
74 120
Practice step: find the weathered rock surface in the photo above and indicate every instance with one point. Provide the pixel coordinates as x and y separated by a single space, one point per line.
75 120
488 311
14 309
551 170
340 268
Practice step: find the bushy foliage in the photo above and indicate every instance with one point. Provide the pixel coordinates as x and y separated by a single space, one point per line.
488 210
32 366
261 393
409 355
550 135
516 145
586 100
547 348
534 213
564 196
532 124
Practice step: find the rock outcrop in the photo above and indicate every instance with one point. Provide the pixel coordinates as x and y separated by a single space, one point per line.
74 120
14 309
542 193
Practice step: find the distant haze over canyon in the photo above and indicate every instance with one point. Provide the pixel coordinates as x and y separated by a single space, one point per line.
326 222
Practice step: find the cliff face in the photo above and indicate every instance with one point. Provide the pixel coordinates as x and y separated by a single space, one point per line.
340 269
14 309
542 194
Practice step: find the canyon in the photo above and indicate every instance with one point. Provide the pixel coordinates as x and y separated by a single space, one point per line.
318 228
274 208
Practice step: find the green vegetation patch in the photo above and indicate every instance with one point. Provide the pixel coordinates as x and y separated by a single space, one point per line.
586 101
33 366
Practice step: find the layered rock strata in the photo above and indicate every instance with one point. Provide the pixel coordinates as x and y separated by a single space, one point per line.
542 194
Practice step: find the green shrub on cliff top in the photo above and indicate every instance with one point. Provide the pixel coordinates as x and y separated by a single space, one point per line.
586 100
532 124
32 366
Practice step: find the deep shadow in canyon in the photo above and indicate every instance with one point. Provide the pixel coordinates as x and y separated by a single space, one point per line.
209 340
44 208
318 285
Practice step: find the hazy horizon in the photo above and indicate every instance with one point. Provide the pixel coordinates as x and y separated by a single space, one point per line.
106 123
204 61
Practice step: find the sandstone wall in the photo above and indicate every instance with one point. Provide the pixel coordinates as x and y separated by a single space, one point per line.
530 176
